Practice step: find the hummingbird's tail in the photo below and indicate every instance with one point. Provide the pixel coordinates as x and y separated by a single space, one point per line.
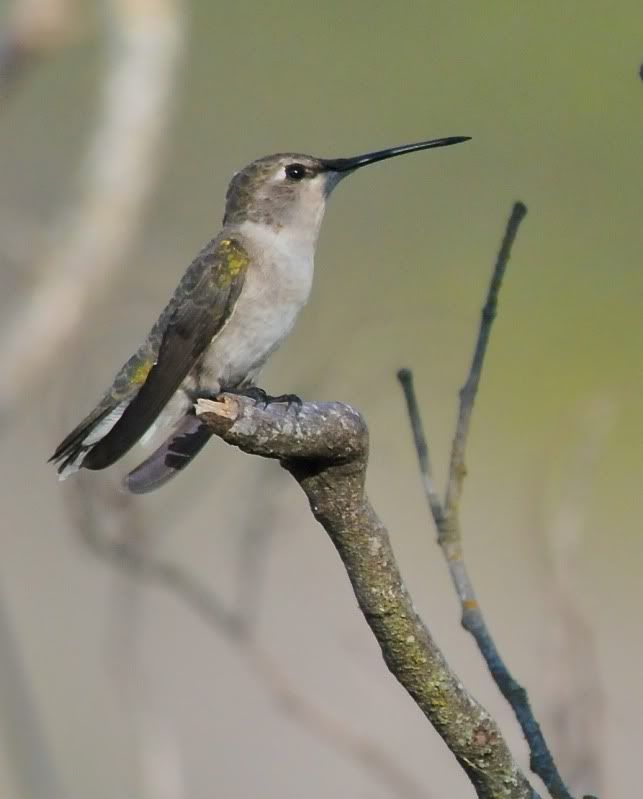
72 451
186 441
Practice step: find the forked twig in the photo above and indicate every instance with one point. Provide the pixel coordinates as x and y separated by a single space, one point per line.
446 517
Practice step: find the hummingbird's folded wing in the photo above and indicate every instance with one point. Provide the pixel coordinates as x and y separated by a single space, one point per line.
201 310
184 443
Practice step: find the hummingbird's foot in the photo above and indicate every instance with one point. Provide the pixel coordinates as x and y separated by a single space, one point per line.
291 399
252 392
262 397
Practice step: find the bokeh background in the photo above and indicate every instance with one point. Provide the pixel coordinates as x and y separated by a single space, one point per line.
120 126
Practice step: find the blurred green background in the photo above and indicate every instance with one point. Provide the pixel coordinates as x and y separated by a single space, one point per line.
551 95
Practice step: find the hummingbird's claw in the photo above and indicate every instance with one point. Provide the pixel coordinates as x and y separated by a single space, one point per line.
291 399
252 392
261 397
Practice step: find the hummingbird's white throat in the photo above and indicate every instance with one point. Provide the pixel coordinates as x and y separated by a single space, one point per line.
287 251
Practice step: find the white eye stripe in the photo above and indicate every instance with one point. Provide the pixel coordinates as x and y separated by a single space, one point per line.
279 176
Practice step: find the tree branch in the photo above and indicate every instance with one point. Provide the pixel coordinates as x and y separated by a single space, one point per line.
446 517
325 448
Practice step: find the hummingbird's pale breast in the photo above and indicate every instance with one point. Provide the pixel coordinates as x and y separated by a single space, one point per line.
276 288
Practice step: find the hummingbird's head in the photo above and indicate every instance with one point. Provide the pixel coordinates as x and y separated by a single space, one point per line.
286 190
290 190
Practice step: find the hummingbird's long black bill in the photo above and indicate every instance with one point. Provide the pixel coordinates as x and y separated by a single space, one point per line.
357 161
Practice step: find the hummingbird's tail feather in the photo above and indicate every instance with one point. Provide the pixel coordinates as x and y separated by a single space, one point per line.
71 452
71 464
186 441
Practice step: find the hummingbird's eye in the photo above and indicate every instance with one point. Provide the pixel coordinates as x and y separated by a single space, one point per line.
295 171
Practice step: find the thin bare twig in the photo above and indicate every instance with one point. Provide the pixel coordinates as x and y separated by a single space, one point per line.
426 470
446 517
325 448
457 469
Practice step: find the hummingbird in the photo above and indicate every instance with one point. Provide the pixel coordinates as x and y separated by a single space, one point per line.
234 306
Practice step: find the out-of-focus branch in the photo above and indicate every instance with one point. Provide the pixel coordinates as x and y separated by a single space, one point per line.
258 530
121 546
446 517
35 772
18 239
375 759
91 237
325 448
575 694
33 29
113 527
